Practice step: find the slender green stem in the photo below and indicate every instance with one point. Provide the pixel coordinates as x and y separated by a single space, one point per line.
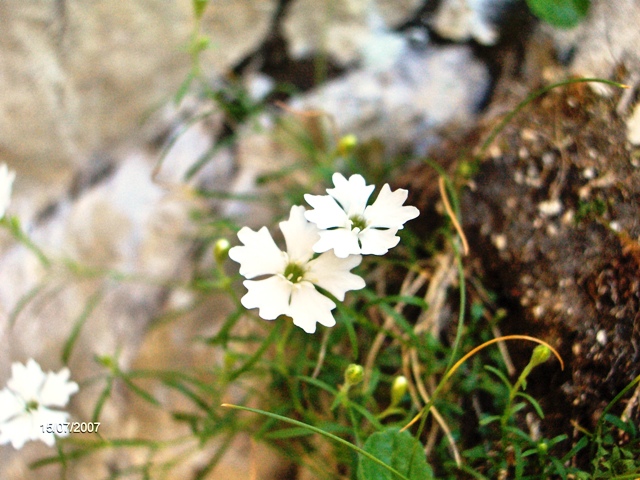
13 225
321 432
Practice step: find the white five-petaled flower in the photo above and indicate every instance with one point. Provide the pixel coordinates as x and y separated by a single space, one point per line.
349 227
25 403
6 184
291 276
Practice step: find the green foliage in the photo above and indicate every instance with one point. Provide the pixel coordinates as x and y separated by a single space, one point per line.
560 13
356 385
400 450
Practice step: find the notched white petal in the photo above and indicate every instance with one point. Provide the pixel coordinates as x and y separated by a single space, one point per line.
378 242
308 307
269 296
259 255
387 211
10 405
326 212
299 234
57 389
352 194
343 242
333 274
26 380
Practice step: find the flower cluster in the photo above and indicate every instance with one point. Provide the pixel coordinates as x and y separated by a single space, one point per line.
26 401
322 246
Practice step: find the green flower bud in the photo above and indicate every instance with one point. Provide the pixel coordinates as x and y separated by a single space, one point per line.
347 144
398 389
353 375
199 7
543 448
540 355
221 250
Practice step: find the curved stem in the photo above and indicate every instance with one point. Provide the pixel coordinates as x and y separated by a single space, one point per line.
452 370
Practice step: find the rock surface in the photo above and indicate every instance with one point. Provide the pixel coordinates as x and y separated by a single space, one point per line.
78 77
341 29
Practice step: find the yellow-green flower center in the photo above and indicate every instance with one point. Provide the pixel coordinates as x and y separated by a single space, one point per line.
358 221
31 406
294 272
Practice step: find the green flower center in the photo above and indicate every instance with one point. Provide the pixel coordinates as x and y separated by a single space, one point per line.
31 406
358 221
294 272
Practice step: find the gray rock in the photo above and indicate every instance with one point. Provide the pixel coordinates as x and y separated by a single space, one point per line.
341 29
463 20
406 105
77 77
608 38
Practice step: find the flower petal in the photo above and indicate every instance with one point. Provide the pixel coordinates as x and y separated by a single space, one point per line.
26 380
271 296
300 235
10 405
259 255
17 431
333 274
57 389
387 211
344 242
378 242
308 307
326 212
351 194
6 184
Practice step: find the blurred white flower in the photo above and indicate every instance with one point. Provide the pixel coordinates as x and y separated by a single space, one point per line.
6 184
289 288
25 403
349 227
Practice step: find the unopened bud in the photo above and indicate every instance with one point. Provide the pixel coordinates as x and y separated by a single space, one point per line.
199 7
221 250
347 144
398 389
540 355
353 375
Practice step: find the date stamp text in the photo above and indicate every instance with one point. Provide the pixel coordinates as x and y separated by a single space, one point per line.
70 427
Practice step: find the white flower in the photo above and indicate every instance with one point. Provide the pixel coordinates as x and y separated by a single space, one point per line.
348 226
25 403
289 287
6 184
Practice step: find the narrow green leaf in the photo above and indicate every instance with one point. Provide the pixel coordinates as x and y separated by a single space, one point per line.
102 399
141 392
91 304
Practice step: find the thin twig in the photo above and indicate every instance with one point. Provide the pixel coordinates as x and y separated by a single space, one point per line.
322 354
410 286
452 215
633 401
436 414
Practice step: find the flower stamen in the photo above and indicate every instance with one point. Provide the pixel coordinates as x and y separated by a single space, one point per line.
294 272
358 222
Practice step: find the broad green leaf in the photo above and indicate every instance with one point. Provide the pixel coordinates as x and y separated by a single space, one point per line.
398 449
560 13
